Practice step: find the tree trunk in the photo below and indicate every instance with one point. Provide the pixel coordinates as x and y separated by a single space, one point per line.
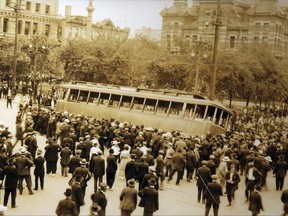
247 101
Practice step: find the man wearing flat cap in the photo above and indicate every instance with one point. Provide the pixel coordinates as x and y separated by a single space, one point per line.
212 195
128 198
66 206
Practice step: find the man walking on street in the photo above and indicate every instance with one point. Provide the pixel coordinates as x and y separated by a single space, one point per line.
213 193
66 206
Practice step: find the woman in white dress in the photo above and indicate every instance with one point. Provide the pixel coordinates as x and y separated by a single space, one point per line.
124 158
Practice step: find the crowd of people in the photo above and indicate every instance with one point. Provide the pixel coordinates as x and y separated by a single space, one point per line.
89 149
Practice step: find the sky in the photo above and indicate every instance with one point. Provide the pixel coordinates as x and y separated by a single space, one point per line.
134 14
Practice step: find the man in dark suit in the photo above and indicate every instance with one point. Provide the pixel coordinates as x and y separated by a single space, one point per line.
128 199
178 165
203 177
67 206
131 169
143 169
51 156
149 198
280 171
255 201
77 195
74 162
100 199
111 169
39 170
97 168
284 199
212 195
232 179
84 172
11 180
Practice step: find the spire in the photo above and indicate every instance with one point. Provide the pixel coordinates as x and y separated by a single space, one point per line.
90 7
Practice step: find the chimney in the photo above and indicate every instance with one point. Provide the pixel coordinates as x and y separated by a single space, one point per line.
68 9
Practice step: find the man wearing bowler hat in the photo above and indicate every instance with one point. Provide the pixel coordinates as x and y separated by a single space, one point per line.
99 198
128 198
66 206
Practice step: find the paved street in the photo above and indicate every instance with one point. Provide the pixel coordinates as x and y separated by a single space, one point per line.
174 200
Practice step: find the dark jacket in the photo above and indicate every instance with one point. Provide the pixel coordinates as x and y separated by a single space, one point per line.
97 166
11 177
149 199
213 193
66 207
77 195
203 174
131 170
128 199
39 166
111 164
255 202
51 152
178 162
100 198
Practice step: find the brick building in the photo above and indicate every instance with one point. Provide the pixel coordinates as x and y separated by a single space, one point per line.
241 21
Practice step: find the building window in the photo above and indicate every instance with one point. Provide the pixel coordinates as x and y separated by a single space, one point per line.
28 5
37 8
19 26
27 28
59 31
257 26
47 30
265 39
47 9
232 42
194 38
256 39
35 28
5 25
8 3
266 26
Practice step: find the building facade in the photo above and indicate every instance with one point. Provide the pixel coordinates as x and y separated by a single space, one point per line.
241 21
41 17
152 34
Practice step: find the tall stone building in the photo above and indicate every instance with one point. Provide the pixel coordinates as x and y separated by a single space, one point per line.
41 17
34 17
241 21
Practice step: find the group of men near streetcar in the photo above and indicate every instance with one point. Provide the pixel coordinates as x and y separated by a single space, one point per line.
90 149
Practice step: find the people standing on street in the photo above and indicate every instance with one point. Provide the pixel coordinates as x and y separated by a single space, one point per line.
232 180
23 165
67 206
77 195
51 156
11 179
39 170
255 205
131 169
284 199
212 195
149 198
252 178
178 165
111 168
203 178
65 155
280 172
99 198
128 198
9 99
74 162
97 168
84 172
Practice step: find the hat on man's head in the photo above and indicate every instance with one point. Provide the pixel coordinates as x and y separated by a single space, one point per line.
152 181
23 151
68 192
152 169
214 177
131 182
204 162
226 158
103 186
83 161
78 151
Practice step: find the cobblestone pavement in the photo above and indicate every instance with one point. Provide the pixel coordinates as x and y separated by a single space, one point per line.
174 200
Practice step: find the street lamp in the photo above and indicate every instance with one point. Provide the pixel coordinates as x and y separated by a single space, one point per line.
35 60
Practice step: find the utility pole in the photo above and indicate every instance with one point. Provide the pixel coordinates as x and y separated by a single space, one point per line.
215 52
16 10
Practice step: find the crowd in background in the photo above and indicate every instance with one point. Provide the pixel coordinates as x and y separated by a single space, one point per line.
94 148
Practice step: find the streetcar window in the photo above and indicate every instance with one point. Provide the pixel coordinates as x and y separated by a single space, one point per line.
189 110
73 95
210 113
176 108
104 98
138 103
163 106
150 104
114 100
83 96
126 102
200 111
93 98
